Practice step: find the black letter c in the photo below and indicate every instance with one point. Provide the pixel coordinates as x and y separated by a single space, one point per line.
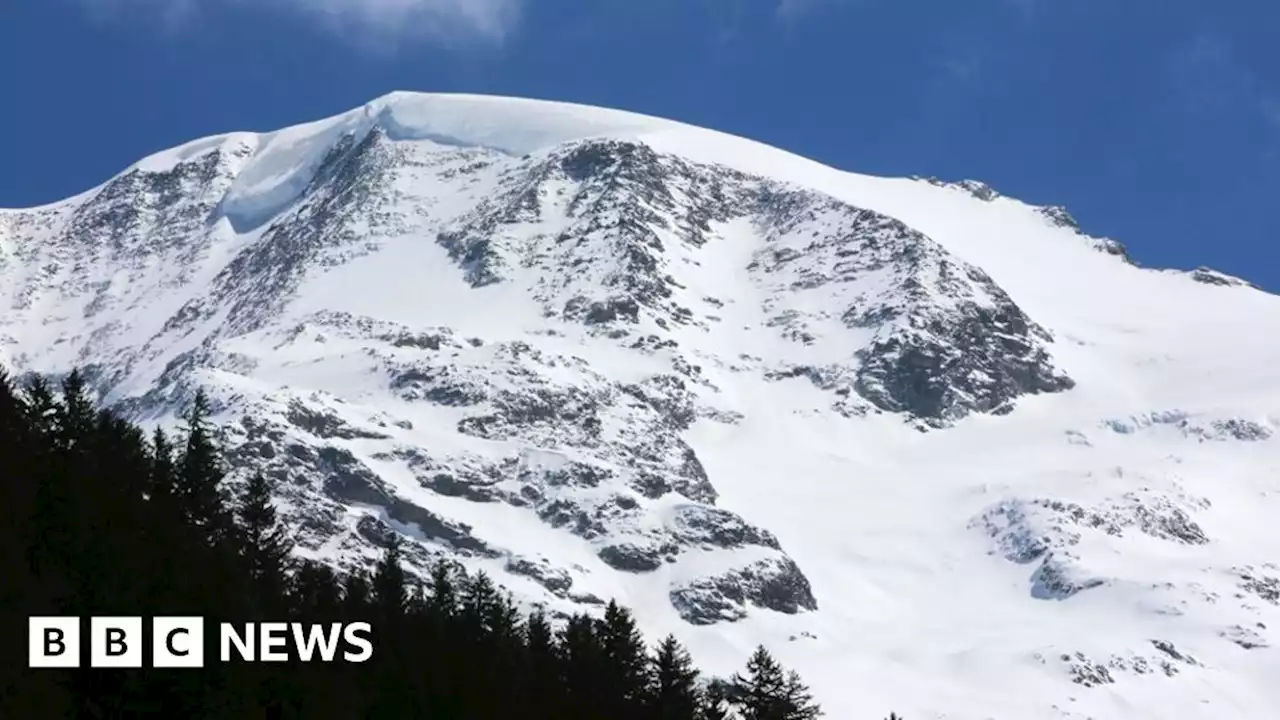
168 642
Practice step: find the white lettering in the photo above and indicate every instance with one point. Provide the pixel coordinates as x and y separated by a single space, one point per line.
243 643
353 638
271 635
315 637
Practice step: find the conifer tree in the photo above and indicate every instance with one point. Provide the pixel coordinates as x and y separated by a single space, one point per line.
673 689
768 692
357 595
797 701
443 601
42 409
580 671
759 695
478 601
624 661
713 703
75 413
542 688
314 590
200 475
160 481
265 545
390 589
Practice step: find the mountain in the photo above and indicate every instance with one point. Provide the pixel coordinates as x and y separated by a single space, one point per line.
939 449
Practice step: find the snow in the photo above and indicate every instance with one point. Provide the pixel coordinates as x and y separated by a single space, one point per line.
918 611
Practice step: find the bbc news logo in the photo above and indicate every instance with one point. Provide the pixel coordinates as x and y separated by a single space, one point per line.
178 642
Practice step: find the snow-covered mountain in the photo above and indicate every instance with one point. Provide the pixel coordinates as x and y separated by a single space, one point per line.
941 450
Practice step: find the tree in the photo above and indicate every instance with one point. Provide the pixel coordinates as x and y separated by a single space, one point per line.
161 480
200 475
673 692
770 693
75 414
580 668
624 661
758 695
542 689
443 600
390 588
714 702
314 591
797 701
265 545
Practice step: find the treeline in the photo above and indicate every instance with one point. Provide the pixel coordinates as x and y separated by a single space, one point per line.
100 518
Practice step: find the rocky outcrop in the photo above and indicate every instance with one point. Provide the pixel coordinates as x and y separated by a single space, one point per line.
946 341
1192 426
1048 533
775 584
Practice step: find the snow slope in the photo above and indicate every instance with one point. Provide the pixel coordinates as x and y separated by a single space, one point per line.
940 450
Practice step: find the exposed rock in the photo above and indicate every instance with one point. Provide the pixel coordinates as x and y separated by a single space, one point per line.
631 558
1209 276
327 425
1048 530
1266 587
976 188
1086 672
554 579
1247 638
1193 427
773 584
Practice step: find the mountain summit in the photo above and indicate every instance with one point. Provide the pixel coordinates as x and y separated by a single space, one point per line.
923 440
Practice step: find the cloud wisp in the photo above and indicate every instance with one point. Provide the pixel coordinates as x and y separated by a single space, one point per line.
444 22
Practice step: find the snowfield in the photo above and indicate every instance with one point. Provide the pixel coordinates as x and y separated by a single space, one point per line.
938 449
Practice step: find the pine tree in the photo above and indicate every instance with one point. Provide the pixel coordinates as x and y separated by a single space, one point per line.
314 591
42 409
357 596
52 539
797 701
624 660
161 480
580 668
265 545
393 679
770 693
200 475
542 688
478 601
673 692
443 600
75 415
713 702
759 695
390 588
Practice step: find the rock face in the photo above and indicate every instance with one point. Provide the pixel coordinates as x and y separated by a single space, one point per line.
605 356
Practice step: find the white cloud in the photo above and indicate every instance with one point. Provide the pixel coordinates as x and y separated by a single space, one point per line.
798 9
444 21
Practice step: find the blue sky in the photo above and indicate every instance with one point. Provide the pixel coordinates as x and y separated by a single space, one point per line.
1156 122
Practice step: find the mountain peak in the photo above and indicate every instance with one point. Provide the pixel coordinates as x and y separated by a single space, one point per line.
761 400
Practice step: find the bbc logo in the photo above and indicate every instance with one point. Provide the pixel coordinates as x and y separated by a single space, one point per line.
115 642
178 642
